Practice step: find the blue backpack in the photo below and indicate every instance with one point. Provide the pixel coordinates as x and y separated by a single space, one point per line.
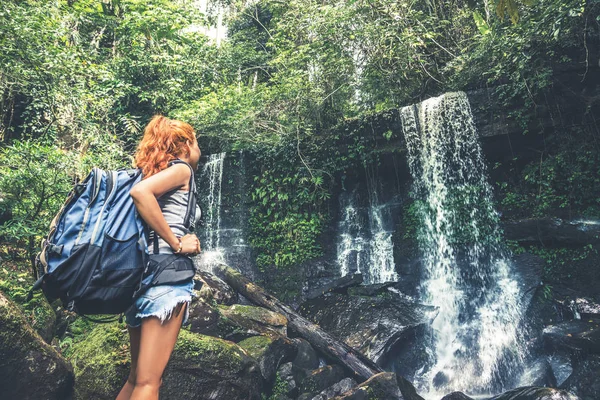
95 255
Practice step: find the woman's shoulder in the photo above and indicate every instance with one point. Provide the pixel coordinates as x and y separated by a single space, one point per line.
167 180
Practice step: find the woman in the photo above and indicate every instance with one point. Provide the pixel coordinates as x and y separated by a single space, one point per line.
161 200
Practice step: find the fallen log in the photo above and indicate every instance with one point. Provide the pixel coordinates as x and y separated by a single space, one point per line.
337 351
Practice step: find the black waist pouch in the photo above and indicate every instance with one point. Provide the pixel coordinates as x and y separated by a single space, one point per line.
166 269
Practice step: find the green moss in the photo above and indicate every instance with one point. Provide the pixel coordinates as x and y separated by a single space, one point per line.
256 345
220 353
100 361
254 313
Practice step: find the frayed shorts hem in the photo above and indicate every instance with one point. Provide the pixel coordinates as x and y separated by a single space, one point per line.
160 302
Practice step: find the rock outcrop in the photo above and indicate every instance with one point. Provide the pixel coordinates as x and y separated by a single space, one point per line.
201 367
585 379
29 367
535 393
372 325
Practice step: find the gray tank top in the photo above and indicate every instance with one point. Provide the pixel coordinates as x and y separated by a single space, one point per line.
173 206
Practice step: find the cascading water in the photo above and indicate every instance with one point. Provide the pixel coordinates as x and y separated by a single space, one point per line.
365 240
381 251
467 273
222 195
351 240
213 174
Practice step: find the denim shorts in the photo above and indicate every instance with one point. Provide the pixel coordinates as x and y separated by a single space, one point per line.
160 301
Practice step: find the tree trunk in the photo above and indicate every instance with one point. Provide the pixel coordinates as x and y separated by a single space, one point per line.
337 351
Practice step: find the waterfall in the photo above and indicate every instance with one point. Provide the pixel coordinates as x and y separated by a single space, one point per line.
212 173
467 271
381 247
351 241
364 240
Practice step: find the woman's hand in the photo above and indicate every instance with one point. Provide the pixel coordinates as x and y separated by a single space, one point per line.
190 244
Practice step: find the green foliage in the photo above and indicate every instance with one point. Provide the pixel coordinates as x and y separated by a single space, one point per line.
85 76
564 183
279 389
285 219
566 263
34 180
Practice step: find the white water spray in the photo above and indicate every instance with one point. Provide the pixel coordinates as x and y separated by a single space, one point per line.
476 347
364 244
212 254
351 243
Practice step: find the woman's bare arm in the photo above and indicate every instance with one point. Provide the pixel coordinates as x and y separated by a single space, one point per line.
145 195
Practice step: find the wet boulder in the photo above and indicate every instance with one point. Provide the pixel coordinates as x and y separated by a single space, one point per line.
538 373
372 325
221 292
561 367
529 267
535 393
320 379
575 336
340 387
306 357
29 367
382 386
456 396
204 318
270 353
585 379
201 367
587 307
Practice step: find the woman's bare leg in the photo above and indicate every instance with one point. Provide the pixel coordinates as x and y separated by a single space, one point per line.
156 345
134 349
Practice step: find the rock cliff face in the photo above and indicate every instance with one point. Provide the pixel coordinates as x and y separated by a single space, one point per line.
371 201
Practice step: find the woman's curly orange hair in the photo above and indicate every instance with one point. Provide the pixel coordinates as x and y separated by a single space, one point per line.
164 140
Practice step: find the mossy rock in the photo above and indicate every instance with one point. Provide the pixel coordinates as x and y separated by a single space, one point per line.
204 367
30 368
201 367
270 353
255 318
235 322
256 346
101 362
